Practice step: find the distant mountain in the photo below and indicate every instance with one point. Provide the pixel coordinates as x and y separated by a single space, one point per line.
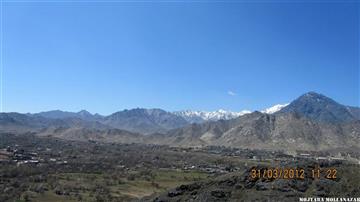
17 123
202 116
92 134
58 114
145 121
274 108
354 111
319 108
287 131
311 122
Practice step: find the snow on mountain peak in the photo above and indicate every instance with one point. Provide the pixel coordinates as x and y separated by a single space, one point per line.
221 114
274 108
201 116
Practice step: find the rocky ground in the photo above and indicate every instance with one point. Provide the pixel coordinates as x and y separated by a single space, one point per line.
241 187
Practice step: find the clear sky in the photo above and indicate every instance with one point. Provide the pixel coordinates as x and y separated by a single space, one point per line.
105 57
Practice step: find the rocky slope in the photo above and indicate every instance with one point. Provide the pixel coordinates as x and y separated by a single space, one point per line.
320 108
311 122
258 130
241 187
145 121
138 120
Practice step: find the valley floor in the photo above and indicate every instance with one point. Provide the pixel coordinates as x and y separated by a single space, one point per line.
49 169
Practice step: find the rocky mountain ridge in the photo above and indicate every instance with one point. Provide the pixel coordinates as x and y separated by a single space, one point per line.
311 122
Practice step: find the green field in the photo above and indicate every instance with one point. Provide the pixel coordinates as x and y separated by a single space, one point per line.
119 186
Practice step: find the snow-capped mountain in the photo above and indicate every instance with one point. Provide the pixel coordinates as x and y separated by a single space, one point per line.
202 116
274 108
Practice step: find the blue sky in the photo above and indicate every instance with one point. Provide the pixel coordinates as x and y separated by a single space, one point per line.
106 57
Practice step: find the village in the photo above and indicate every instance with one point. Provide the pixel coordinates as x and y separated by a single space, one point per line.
20 156
15 154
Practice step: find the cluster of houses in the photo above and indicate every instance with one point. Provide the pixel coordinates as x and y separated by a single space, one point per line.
250 154
323 156
211 168
20 157
262 155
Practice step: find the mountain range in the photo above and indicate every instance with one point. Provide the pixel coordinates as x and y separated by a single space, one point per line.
310 122
203 116
189 115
